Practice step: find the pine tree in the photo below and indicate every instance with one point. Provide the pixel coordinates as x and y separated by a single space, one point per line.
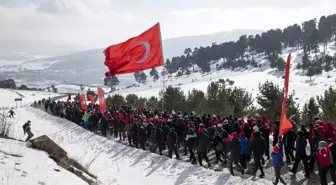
327 104
173 99
310 110
112 82
154 74
116 99
328 66
196 101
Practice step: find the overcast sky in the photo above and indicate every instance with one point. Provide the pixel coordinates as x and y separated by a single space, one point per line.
98 23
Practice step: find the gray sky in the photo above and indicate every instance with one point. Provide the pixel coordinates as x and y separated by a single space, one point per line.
99 23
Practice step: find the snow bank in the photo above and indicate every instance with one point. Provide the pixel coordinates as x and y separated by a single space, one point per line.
20 165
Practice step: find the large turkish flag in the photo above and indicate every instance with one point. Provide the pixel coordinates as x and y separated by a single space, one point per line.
136 54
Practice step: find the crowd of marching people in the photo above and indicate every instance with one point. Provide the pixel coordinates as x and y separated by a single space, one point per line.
233 140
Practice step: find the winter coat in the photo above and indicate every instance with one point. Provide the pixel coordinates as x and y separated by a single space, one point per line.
141 134
134 130
289 138
217 142
258 145
300 147
191 140
202 142
85 118
172 139
265 132
128 129
153 136
235 149
323 154
159 135
316 138
166 131
244 145
277 158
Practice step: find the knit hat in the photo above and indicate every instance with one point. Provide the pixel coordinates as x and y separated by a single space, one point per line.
276 149
242 134
234 134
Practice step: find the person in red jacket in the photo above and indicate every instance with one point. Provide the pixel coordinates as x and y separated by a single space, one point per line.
266 122
324 159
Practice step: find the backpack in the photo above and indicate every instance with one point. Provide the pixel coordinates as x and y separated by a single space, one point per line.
323 156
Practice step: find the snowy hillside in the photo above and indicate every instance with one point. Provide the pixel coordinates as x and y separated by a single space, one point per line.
110 161
248 79
88 67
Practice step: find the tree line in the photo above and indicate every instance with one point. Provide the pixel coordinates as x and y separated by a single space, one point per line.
223 98
11 84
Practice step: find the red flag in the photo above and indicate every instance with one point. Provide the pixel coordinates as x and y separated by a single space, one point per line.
136 54
83 101
101 98
91 98
69 98
285 124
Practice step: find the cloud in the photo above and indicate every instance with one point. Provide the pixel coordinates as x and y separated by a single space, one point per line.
99 23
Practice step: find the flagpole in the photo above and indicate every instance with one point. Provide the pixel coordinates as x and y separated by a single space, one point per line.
164 70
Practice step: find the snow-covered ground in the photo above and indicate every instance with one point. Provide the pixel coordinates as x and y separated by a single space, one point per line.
8 97
20 165
112 162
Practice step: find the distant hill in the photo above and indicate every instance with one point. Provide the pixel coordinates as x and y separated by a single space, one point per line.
87 67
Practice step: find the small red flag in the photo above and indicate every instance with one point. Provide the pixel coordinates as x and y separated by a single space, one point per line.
91 98
136 54
101 97
285 124
83 101
69 98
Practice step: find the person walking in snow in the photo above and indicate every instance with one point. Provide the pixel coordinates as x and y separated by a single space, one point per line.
11 113
325 160
244 149
300 154
191 141
27 129
277 159
235 149
258 147
202 141
172 140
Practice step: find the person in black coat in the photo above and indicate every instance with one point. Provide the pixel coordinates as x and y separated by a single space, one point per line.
258 146
300 154
316 138
265 134
289 141
202 144
191 142
235 149
134 133
159 136
166 131
142 136
172 140
103 126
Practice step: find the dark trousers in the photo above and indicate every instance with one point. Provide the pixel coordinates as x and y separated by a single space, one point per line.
129 137
235 160
257 165
243 159
170 151
302 158
267 149
219 154
201 156
278 176
312 159
192 157
104 131
323 174
289 153
135 140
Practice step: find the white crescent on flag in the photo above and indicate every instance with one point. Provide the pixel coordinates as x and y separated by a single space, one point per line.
147 46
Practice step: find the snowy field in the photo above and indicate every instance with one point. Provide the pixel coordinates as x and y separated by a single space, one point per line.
248 79
112 162
8 96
